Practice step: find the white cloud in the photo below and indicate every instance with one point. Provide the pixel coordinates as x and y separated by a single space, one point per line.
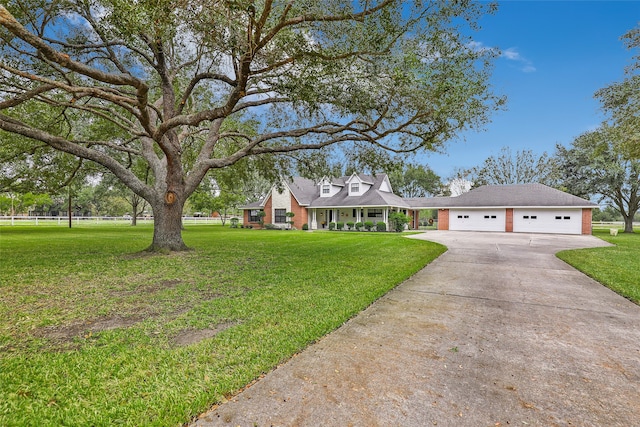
524 64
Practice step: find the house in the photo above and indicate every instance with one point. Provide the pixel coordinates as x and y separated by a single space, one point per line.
356 198
520 208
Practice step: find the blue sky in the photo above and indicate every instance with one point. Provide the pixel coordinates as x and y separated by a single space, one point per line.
556 54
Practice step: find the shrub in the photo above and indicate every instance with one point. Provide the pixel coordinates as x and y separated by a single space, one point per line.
381 226
305 226
398 220
271 227
339 225
350 225
368 225
234 222
359 226
332 226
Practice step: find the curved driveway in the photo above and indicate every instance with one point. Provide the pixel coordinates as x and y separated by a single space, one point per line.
495 332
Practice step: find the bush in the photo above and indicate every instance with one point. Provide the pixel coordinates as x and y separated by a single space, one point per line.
305 226
359 226
368 225
350 225
271 227
339 225
381 226
332 226
398 221
234 222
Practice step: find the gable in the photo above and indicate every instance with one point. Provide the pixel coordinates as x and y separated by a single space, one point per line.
328 187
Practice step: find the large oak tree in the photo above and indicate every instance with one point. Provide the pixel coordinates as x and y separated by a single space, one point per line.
168 82
595 166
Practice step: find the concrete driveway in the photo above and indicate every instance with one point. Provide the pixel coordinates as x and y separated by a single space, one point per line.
495 332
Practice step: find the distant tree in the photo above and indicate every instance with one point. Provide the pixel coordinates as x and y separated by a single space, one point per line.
609 213
523 167
25 203
168 82
621 101
211 197
596 166
459 183
414 180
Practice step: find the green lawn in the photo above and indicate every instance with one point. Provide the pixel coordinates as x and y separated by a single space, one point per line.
93 332
616 267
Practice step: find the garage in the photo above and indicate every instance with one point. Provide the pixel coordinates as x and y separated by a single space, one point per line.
477 219
519 208
561 221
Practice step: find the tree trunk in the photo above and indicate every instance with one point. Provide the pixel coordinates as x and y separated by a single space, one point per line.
167 225
628 224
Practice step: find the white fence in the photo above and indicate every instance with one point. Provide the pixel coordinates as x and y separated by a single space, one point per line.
612 224
98 220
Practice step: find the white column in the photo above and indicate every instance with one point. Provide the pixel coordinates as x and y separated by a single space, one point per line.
314 221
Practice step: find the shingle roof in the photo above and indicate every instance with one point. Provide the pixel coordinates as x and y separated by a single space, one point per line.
304 190
517 195
373 197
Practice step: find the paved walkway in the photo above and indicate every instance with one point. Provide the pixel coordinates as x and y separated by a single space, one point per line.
495 332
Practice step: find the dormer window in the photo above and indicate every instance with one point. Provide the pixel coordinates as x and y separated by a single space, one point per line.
355 187
326 189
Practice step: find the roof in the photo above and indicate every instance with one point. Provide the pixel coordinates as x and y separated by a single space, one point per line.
513 196
373 197
307 194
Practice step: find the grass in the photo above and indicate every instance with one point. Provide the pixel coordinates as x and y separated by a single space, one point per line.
616 266
92 332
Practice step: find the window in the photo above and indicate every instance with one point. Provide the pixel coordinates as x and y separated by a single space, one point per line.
493 217
567 217
374 213
253 215
486 216
326 189
354 213
466 216
558 217
525 217
280 216
459 216
534 217
355 187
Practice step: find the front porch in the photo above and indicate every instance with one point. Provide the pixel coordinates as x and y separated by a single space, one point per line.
320 218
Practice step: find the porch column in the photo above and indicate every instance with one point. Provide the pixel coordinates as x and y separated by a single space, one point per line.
385 217
314 222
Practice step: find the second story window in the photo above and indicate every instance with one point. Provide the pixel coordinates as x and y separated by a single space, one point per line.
326 189
355 187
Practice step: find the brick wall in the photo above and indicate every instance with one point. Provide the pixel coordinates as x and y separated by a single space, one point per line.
586 221
301 214
508 226
268 218
443 219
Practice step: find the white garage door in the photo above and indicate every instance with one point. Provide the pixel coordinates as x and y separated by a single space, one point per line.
558 221
477 219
